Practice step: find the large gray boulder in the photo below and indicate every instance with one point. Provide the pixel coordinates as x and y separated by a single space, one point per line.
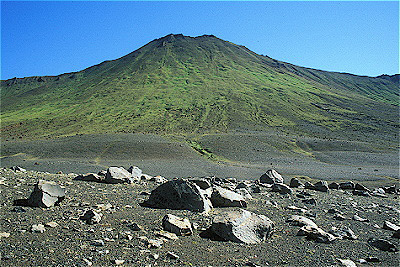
135 172
271 177
241 226
222 197
179 194
46 194
118 175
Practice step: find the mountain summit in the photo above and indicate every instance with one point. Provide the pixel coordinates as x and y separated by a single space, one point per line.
182 84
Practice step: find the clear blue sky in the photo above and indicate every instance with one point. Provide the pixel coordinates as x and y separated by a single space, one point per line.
50 38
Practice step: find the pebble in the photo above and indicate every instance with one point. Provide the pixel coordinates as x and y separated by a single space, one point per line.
97 243
172 255
51 224
38 228
4 235
118 262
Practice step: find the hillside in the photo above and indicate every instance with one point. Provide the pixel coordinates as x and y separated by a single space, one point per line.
180 84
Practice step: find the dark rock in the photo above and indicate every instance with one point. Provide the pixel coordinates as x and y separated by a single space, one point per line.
177 225
222 197
346 185
382 244
179 194
202 183
396 234
90 177
390 189
310 201
91 217
271 177
372 259
309 185
241 226
255 189
295 183
281 188
360 187
333 185
321 186
18 209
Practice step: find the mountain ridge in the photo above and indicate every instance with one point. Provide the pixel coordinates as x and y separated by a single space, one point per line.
183 84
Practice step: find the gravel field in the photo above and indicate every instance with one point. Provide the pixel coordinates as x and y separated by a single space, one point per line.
71 242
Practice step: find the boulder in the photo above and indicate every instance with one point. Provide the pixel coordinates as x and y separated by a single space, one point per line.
202 183
321 186
177 225
309 185
244 193
222 197
396 234
271 177
347 185
333 185
382 245
281 188
17 169
118 175
241 226
345 233
361 193
45 195
179 194
135 172
295 183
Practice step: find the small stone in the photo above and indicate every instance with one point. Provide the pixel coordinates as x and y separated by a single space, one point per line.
321 186
339 217
88 263
118 262
97 243
347 263
172 255
38 228
177 225
51 224
91 217
4 235
281 188
155 256
154 243
358 218
18 209
135 227
372 259
309 201
166 235
295 183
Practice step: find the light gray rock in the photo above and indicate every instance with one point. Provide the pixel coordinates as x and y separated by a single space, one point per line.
347 263
316 233
135 172
179 194
358 218
46 194
281 188
345 233
241 226
222 197
118 175
271 177
298 220
390 226
244 193
38 228
177 225
91 217
172 255
158 179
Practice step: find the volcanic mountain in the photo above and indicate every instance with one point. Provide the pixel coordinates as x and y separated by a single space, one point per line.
182 84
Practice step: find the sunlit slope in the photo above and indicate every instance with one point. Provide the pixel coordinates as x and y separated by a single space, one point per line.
180 84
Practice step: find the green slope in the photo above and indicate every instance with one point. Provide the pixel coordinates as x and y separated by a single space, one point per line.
180 84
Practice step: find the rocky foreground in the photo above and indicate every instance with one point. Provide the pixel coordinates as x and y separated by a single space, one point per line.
125 217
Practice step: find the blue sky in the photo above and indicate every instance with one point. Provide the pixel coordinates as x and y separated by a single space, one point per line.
50 38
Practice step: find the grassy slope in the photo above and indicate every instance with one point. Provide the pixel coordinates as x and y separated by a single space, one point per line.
179 84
